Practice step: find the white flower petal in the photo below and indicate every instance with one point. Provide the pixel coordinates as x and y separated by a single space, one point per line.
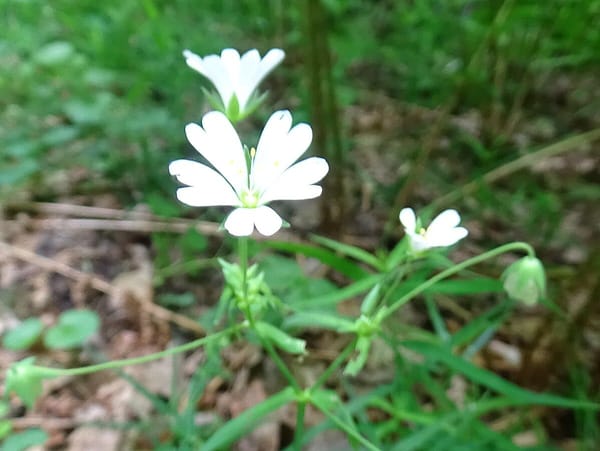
212 68
248 81
446 220
208 187
278 148
254 70
271 59
230 58
417 242
288 192
297 182
197 196
408 219
220 144
447 238
240 221
267 221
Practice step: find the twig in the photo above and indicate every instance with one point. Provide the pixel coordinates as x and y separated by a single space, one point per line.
122 225
47 423
82 211
98 284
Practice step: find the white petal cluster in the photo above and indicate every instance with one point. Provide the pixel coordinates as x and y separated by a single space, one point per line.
443 230
249 180
234 75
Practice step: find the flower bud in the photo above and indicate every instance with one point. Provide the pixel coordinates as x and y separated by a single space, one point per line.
525 280
25 379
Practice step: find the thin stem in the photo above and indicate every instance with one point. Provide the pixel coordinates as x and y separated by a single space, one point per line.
388 310
299 432
243 256
113 364
334 365
344 427
279 362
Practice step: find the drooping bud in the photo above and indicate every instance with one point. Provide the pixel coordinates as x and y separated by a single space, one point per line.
525 280
25 379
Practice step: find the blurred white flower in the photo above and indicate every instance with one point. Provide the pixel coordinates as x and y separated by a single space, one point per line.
442 231
235 78
249 179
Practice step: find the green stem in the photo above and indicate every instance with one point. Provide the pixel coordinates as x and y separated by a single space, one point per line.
299 432
113 364
388 310
243 256
279 362
334 365
344 427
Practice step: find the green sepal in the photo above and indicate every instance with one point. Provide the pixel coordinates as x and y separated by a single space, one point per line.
214 100
280 338
233 109
253 103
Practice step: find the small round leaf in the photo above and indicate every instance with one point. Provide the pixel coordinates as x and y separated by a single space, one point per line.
24 335
74 327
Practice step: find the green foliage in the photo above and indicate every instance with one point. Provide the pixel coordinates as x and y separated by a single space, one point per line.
24 335
91 86
22 441
74 327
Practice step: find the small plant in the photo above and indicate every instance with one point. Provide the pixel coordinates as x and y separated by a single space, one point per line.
249 178
72 329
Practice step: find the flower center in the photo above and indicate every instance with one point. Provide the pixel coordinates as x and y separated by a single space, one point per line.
422 231
250 199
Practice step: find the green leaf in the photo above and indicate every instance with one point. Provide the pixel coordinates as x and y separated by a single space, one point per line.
176 300
351 251
54 53
17 172
323 320
467 286
5 429
193 242
73 329
493 381
363 345
247 420
330 299
280 338
491 319
345 267
286 279
24 335
23 440
326 401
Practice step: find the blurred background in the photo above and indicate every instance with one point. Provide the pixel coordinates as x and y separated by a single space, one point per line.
489 107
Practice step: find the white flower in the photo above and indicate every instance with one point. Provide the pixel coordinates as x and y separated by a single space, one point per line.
249 180
234 76
442 231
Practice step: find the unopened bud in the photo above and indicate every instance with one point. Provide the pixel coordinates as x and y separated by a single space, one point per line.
525 280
